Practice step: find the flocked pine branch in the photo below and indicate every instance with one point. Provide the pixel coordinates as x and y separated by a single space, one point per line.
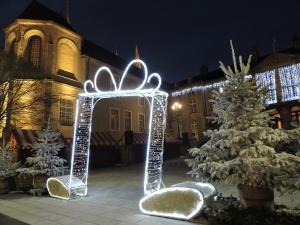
244 68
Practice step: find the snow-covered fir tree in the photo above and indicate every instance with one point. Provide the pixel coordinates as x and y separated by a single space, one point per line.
7 165
45 159
241 151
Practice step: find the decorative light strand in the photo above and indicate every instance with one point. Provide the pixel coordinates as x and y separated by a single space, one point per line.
198 88
194 211
76 183
289 80
267 79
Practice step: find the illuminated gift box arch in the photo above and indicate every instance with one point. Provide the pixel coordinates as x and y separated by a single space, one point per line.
75 184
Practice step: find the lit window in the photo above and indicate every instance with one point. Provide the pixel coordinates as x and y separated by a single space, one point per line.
141 123
192 105
267 80
35 46
141 101
289 80
127 120
296 116
114 119
66 112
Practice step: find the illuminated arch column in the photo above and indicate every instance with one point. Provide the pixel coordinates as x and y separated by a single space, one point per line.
80 148
75 184
155 145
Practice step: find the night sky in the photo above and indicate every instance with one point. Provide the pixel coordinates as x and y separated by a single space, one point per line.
176 37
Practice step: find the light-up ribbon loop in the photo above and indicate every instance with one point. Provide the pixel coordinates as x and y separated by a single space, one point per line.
132 63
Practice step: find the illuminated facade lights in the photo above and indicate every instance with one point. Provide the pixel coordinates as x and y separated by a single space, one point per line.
267 80
289 80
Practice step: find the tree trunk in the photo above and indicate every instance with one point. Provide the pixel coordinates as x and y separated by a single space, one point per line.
255 197
8 112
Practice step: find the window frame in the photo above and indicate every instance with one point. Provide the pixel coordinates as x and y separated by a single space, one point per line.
30 52
141 103
110 117
193 105
140 131
125 111
61 121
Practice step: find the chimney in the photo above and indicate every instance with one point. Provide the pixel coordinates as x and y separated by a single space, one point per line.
275 44
255 54
296 41
203 70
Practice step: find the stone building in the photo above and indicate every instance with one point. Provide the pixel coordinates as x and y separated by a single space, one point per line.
278 71
48 41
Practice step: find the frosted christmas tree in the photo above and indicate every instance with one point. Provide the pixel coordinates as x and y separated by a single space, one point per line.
45 159
241 151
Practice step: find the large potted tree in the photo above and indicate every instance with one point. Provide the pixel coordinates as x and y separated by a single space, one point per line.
45 161
7 168
242 150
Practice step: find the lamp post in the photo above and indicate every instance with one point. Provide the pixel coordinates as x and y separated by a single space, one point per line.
176 107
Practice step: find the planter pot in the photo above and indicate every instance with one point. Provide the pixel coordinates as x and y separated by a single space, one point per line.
39 181
23 182
4 186
255 197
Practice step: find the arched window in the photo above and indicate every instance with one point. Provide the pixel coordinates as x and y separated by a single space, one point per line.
66 58
35 50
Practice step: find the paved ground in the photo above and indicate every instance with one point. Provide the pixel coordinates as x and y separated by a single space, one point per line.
113 200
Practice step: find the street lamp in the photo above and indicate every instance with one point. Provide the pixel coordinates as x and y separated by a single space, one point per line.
176 107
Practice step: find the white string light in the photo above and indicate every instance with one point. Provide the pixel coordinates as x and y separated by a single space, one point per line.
194 209
76 183
289 80
267 79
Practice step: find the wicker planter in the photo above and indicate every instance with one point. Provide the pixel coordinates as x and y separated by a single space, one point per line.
4 186
40 181
23 182
254 197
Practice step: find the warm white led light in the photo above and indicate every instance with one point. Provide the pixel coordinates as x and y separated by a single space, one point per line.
267 79
195 207
83 121
289 80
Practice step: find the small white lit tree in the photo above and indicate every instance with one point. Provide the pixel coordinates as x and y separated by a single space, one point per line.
241 151
45 161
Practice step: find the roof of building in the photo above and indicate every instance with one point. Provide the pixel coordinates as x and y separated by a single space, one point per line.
38 11
215 75
93 50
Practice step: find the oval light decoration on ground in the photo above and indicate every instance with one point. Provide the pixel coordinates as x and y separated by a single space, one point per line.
173 202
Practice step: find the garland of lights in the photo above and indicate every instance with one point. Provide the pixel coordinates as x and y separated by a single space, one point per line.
289 80
76 182
267 79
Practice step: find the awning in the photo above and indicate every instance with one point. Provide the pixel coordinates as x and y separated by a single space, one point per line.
105 139
140 138
25 138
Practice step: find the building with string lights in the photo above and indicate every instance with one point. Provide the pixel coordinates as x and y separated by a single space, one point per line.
278 71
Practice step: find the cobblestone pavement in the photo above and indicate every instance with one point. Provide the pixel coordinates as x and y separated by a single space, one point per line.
112 199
